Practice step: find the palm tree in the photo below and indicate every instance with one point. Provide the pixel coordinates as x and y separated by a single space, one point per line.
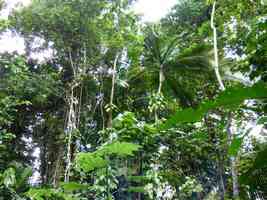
164 59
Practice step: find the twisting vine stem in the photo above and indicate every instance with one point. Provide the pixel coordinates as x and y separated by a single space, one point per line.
71 127
230 116
73 117
114 73
215 46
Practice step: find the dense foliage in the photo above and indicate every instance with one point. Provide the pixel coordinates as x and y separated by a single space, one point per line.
103 106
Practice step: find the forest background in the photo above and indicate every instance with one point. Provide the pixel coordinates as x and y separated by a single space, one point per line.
102 104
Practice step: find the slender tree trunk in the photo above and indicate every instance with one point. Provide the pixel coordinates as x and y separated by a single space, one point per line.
234 174
102 105
235 178
114 72
161 80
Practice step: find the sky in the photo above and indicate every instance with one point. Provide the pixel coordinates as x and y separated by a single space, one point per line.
151 11
11 4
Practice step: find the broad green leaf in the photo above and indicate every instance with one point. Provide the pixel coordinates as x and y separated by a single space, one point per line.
9 177
262 120
187 115
47 193
73 186
123 119
236 95
39 194
230 99
119 149
23 176
89 161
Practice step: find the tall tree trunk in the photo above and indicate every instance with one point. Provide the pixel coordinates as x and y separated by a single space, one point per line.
220 168
234 177
114 72
232 159
140 194
161 80
56 171
234 174
221 178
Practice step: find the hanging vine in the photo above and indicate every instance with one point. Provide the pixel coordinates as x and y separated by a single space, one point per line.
230 115
74 101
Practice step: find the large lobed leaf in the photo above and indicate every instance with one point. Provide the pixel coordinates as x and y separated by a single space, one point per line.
230 99
43 194
90 161
119 149
73 186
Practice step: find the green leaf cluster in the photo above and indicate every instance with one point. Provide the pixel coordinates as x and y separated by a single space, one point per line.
91 161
